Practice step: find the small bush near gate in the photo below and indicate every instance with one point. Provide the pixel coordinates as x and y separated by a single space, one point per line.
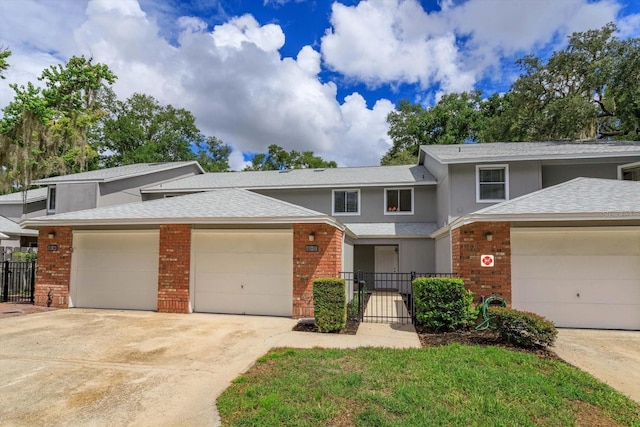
443 304
521 328
329 304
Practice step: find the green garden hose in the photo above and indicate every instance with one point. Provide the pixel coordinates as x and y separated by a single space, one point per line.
485 311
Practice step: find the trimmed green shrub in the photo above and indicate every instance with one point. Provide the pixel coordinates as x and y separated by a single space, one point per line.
521 328
443 304
329 304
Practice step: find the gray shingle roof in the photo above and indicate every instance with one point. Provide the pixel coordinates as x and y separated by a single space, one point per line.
302 178
608 198
16 198
393 229
503 151
12 228
120 172
217 206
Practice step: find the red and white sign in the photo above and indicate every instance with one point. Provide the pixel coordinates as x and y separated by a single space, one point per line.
487 260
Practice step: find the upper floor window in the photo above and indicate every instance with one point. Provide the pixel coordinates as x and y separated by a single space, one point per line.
51 199
346 202
492 183
398 201
630 172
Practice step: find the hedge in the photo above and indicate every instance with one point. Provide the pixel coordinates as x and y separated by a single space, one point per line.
522 328
329 304
443 304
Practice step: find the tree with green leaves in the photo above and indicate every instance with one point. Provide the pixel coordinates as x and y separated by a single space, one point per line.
43 131
277 158
586 91
4 54
72 91
589 90
213 155
141 130
25 143
456 118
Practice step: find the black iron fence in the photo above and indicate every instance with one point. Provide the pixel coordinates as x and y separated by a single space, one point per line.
383 297
17 281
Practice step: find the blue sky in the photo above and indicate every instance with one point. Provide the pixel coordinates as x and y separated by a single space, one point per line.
304 74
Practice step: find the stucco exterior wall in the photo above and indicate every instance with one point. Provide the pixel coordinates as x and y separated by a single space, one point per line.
128 190
524 178
372 208
443 254
75 196
553 174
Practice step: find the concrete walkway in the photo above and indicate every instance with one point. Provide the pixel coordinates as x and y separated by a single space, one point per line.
368 335
386 307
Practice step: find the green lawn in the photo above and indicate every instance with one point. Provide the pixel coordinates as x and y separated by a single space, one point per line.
454 385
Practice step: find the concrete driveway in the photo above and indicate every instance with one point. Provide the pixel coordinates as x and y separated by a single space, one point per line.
611 356
104 367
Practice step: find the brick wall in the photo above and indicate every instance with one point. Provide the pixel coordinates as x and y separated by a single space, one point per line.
308 266
174 268
468 243
53 273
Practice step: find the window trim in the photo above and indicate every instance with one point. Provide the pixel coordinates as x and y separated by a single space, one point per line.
384 207
333 202
506 182
622 168
55 198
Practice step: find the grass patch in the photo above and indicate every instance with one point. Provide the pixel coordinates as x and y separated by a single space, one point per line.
450 385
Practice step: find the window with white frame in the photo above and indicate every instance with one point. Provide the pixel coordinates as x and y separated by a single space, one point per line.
492 183
51 199
630 172
346 202
398 201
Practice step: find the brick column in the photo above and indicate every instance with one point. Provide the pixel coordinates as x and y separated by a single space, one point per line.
53 271
174 268
468 243
308 266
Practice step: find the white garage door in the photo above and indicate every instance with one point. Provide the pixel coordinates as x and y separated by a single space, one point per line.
583 277
115 270
243 272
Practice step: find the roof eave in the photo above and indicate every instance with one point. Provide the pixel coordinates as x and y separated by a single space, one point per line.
34 224
544 217
288 187
534 158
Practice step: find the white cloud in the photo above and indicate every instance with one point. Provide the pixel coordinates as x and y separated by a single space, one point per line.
397 41
240 88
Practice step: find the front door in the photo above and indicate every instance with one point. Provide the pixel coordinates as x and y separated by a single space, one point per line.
386 265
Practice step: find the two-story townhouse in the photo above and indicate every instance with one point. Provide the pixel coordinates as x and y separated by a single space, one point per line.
252 242
556 222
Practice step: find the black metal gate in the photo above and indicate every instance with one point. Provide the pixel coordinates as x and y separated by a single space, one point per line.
384 297
17 280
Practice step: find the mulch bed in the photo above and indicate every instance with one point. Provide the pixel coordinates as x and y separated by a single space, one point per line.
350 329
473 337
